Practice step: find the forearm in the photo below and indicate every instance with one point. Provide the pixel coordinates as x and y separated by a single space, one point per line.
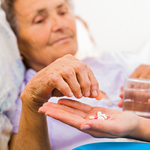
33 133
142 132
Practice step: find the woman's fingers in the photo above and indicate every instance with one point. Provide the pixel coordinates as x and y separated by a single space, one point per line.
81 73
56 81
69 76
83 79
88 82
94 85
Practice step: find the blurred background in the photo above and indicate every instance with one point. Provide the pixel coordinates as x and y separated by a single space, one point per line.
116 25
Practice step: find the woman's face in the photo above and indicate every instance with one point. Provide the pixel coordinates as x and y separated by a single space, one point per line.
46 31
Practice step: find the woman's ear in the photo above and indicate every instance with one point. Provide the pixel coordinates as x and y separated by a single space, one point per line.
21 47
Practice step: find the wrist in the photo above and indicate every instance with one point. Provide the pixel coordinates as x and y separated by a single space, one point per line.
30 102
140 132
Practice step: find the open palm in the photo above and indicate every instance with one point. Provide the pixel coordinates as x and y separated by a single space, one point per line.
76 114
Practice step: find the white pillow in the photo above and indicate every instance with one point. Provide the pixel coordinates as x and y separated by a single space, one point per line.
11 77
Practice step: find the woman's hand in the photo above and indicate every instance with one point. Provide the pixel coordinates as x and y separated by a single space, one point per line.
76 114
67 75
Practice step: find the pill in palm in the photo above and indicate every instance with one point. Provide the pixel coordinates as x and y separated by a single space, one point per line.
99 116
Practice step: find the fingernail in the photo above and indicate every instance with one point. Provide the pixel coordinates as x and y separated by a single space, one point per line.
85 127
80 95
87 94
41 110
70 94
94 93
99 96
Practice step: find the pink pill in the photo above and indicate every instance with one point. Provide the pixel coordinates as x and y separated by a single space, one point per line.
108 117
95 117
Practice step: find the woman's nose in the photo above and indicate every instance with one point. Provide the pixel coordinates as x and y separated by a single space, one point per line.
59 24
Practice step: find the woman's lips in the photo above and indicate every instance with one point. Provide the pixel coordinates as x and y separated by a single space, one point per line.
60 40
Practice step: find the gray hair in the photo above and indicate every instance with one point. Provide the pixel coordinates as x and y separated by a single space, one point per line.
8 7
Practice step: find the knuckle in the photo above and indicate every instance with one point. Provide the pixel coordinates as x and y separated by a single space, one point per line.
100 127
68 56
85 85
94 84
77 89
81 66
55 78
142 66
68 72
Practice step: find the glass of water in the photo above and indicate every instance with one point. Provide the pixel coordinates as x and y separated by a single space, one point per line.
136 95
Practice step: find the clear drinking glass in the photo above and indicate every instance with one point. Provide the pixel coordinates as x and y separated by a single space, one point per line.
136 95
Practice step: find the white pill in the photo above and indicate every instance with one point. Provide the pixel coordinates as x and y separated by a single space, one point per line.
101 118
91 117
99 113
105 117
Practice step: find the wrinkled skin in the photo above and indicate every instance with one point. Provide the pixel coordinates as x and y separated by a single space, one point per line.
70 78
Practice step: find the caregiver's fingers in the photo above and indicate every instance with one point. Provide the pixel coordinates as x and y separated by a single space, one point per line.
99 128
122 88
120 103
121 95
135 74
148 101
48 105
76 105
97 134
65 117
143 71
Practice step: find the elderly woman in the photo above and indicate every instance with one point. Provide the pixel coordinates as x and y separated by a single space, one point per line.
46 33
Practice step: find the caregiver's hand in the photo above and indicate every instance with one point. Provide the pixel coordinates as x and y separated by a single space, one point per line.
142 72
136 95
68 75
76 114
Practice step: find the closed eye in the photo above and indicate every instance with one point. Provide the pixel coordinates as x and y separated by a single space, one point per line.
63 13
40 21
